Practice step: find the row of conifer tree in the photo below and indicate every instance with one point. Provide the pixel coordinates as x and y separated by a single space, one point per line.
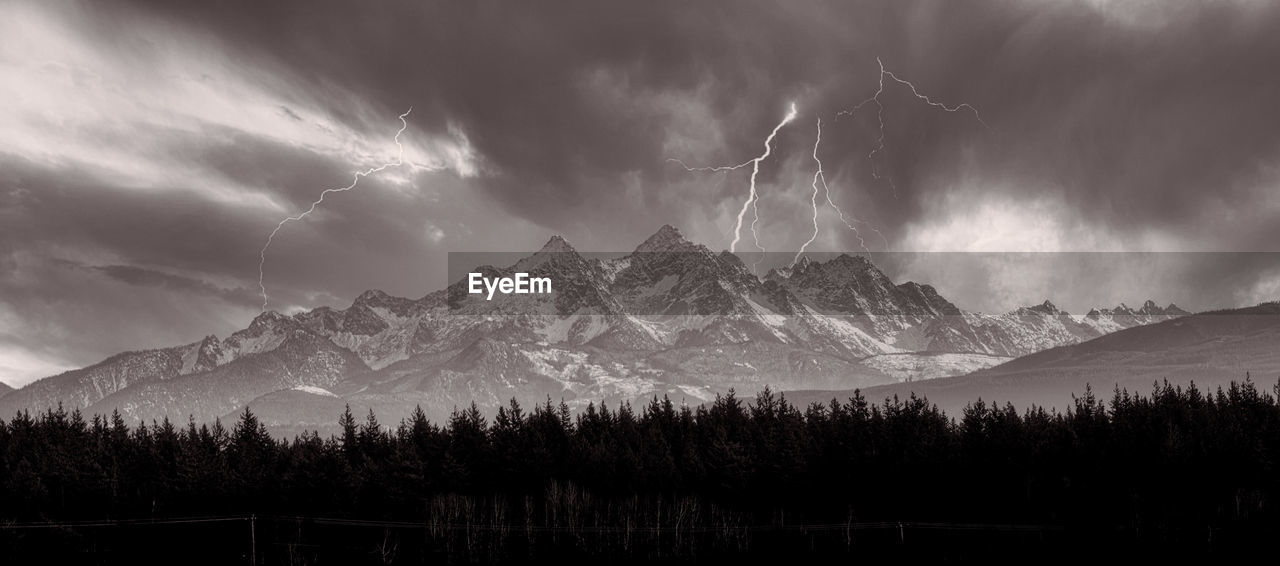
1173 458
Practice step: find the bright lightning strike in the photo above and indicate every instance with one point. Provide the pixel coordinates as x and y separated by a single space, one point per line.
820 177
262 256
754 199
753 196
813 201
875 99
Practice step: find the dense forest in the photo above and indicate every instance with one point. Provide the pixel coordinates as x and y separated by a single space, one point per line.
1178 470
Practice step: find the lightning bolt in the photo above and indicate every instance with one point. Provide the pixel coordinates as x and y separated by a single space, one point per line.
819 182
813 201
753 197
820 177
262 256
875 99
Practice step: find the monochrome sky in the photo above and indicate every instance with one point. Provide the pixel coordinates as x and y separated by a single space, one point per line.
148 148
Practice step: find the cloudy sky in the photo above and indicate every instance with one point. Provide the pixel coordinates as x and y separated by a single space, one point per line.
147 149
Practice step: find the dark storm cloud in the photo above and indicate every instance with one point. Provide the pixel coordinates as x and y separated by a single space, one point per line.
138 276
518 79
1141 124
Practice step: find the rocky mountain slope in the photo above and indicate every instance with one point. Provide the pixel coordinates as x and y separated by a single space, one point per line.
672 317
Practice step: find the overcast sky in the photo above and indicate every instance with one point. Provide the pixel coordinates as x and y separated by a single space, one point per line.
147 149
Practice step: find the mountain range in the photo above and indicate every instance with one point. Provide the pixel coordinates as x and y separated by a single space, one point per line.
672 317
1210 350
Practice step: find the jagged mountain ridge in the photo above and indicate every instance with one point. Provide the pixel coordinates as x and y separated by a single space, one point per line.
707 324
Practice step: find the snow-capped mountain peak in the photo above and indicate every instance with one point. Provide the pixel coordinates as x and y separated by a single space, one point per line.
1047 308
557 244
668 239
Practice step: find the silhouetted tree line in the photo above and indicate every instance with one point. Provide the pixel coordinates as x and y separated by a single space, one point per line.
1173 462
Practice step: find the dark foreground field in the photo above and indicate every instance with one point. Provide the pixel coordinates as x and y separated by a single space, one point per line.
1176 473
297 540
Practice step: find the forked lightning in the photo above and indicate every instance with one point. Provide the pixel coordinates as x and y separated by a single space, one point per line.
753 196
875 99
262 256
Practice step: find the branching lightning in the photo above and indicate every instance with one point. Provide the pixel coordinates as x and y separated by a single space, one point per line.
753 196
820 177
262 256
813 201
875 99
819 182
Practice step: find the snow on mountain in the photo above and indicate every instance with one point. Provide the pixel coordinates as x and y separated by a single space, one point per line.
672 318
314 390
912 366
